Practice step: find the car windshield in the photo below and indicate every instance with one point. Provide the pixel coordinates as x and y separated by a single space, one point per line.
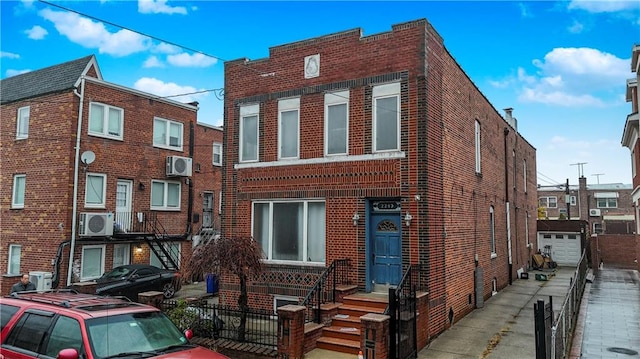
131 333
118 273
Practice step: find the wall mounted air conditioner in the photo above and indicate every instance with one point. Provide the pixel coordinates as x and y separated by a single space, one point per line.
178 166
42 280
95 224
594 212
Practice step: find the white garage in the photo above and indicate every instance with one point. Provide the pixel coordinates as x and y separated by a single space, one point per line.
565 247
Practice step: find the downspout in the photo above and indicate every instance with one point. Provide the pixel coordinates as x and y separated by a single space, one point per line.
74 212
190 200
506 193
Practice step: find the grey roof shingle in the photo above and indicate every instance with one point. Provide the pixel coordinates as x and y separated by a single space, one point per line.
44 81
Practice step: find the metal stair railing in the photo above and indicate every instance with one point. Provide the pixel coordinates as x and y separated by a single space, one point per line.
324 290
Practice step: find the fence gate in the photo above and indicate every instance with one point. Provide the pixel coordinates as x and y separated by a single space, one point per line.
402 326
543 314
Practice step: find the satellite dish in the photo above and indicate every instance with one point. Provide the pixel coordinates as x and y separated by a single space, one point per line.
88 157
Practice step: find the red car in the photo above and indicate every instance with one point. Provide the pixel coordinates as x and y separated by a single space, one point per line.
68 325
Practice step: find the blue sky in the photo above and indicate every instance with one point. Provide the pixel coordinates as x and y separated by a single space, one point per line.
562 66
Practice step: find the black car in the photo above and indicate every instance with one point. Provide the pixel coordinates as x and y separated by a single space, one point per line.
129 280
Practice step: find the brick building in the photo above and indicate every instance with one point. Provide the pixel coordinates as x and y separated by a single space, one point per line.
379 149
94 174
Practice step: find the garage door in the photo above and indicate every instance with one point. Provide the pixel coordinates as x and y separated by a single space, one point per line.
565 248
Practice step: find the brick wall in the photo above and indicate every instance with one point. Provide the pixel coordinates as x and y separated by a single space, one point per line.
615 250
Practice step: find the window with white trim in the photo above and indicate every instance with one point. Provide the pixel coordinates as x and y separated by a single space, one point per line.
105 121
478 129
121 254
95 190
606 199
22 123
292 231
573 200
492 230
92 263
633 163
19 188
526 228
167 134
548 202
15 251
165 195
336 123
217 154
289 128
249 140
386 118
597 228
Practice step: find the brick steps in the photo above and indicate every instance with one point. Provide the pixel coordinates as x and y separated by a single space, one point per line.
339 345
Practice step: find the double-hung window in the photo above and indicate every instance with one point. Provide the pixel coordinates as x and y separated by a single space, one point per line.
19 187
165 195
249 139
386 118
92 265
95 190
492 231
606 199
105 121
477 144
167 134
22 126
548 202
336 123
289 128
291 230
217 154
15 251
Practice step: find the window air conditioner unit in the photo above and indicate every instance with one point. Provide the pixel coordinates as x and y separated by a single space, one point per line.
96 224
42 280
594 212
178 166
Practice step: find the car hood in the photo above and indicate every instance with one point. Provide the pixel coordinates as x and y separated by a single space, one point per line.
195 353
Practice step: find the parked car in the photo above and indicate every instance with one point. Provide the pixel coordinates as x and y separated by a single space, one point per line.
131 279
68 325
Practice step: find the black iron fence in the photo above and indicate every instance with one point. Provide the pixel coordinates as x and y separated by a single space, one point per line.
402 310
222 321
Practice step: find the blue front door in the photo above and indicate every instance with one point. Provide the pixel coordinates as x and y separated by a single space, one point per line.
387 249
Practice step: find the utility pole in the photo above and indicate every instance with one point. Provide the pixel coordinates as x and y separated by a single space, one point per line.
567 199
598 176
580 168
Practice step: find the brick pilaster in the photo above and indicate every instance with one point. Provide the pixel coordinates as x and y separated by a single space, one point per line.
291 332
374 336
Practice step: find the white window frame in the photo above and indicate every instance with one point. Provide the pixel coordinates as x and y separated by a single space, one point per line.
84 277
126 250
18 191
379 93
340 98
245 113
492 231
598 230
217 151
220 203
103 191
478 138
105 121
526 228
633 162
548 203
305 231
22 123
573 201
166 143
15 252
291 105
165 196
287 298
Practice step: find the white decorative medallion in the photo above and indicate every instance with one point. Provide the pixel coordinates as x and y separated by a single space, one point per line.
312 66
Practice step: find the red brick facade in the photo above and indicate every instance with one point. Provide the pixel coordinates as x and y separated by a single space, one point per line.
47 158
432 174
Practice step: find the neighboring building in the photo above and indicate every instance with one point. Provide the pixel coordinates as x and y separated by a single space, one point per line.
566 240
631 133
94 168
382 150
607 207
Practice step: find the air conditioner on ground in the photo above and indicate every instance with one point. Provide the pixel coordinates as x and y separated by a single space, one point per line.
42 280
594 212
178 166
96 224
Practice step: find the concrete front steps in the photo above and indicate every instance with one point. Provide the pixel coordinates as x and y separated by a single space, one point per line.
343 335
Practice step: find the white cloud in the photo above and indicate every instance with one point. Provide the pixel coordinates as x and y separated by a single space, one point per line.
9 55
574 77
576 27
91 34
165 48
603 6
195 60
11 72
36 33
166 89
152 61
524 10
159 7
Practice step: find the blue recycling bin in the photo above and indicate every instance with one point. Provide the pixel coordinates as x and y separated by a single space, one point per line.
212 283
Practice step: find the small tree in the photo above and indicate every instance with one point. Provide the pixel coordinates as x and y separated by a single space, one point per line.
239 256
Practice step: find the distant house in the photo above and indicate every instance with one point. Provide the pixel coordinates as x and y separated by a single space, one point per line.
381 150
96 174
